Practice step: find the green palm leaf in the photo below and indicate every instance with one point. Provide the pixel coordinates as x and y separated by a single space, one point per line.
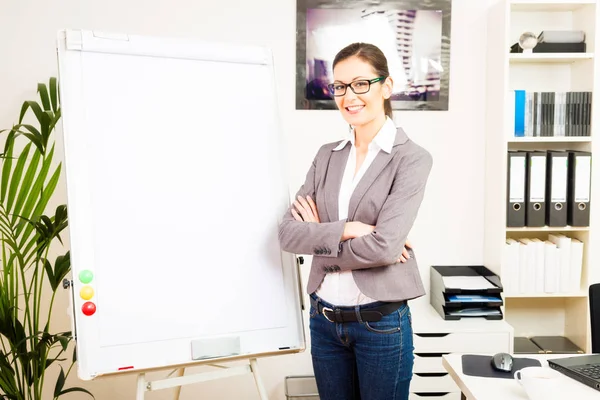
15 180
43 91
26 184
57 116
33 134
54 93
35 107
6 166
41 205
76 389
34 195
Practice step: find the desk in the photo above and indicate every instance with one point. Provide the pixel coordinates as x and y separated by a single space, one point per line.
477 388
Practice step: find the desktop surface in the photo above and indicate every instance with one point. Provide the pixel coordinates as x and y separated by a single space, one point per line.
478 388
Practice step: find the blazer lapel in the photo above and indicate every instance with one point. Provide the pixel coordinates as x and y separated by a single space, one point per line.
381 160
335 173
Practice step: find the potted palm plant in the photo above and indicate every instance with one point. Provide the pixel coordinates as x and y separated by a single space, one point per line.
30 279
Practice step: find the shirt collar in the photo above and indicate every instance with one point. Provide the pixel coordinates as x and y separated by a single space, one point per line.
384 138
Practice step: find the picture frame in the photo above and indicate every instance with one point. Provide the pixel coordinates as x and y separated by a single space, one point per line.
414 36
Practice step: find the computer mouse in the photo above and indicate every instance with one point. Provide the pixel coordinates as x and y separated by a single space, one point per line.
502 362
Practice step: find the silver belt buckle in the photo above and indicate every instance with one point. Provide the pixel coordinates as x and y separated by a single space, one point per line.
325 315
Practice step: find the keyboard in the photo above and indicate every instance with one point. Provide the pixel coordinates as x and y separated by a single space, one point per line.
589 370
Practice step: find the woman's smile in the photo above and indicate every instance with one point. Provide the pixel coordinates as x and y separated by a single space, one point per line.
355 109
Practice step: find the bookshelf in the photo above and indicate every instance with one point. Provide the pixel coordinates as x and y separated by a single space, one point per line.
539 314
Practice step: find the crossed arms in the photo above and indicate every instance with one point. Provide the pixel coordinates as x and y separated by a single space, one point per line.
354 245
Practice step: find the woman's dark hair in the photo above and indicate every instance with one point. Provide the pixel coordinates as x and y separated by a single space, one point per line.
372 55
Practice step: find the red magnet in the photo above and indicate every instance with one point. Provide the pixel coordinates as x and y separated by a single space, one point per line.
88 308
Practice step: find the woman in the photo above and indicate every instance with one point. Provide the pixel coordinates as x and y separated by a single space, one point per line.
353 214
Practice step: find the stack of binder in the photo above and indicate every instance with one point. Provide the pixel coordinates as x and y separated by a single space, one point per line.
543 114
465 292
542 265
548 188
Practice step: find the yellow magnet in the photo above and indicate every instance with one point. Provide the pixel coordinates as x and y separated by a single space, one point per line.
86 292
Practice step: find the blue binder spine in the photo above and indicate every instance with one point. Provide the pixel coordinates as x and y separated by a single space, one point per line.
519 113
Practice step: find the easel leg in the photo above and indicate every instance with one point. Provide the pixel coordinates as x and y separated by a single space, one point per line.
259 384
141 387
180 372
179 379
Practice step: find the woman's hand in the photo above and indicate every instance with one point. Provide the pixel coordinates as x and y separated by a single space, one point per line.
405 256
305 210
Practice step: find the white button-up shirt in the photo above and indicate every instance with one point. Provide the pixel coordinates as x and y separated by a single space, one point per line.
339 288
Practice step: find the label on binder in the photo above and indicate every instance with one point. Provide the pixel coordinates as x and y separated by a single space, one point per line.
583 165
537 188
517 180
559 180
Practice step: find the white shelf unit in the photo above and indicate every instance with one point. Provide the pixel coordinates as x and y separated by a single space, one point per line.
536 314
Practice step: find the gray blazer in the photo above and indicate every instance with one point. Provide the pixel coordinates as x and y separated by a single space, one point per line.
388 196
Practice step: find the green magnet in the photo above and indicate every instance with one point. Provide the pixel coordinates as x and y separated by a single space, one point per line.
86 276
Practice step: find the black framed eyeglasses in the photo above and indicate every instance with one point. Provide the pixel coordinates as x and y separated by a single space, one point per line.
360 86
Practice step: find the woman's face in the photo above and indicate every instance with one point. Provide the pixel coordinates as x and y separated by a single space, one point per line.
360 109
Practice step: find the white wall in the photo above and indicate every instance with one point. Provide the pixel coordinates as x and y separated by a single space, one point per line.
449 229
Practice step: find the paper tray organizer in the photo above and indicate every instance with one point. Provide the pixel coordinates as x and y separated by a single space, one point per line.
454 303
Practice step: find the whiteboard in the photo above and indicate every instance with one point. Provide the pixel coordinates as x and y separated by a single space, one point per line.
175 188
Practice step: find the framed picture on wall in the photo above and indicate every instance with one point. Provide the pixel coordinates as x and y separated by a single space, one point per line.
414 35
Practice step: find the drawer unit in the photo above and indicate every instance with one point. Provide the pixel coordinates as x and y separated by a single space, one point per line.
434 337
434 396
461 342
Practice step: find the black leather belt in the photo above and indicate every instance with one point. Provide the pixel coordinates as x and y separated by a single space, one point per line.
371 314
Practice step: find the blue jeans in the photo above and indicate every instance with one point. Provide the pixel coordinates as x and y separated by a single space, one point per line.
362 360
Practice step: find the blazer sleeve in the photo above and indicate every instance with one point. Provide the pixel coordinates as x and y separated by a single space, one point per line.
310 238
385 244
